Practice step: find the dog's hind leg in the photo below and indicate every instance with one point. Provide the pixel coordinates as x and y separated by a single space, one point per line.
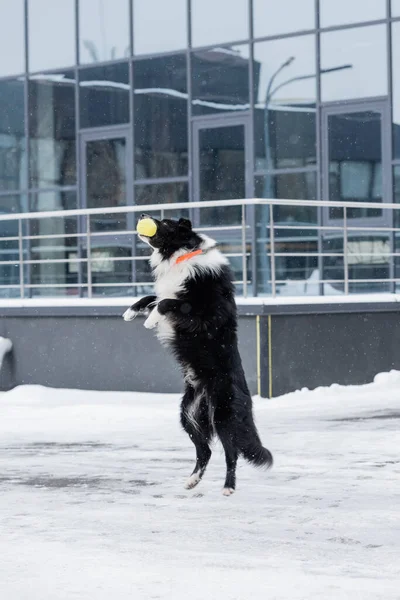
195 421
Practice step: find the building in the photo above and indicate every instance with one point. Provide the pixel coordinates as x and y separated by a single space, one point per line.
107 103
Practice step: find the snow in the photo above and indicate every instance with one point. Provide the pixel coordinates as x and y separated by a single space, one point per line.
5 346
92 503
126 301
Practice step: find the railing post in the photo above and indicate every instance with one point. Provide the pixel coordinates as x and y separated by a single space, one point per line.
21 259
345 255
88 257
244 251
272 248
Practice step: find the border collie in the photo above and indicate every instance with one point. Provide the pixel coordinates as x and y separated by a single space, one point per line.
194 312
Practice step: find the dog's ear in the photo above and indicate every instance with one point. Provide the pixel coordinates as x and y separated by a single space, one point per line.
185 224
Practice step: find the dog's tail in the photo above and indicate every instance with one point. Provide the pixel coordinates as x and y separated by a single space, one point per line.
251 448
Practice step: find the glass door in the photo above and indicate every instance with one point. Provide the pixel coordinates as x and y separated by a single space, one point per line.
355 160
107 183
221 166
356 168
222 171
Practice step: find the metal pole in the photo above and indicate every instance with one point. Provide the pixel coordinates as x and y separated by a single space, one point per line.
272 249
244 251
21 259
88 257
345 256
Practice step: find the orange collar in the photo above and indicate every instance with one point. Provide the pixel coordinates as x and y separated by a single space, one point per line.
188 255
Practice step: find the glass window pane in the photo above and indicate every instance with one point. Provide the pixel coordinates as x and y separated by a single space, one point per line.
12 135
396 88
222 172
340 12
355 161
104 95
162 193
159 26
59 278
161 140
285 91
354 63
9 251
218 21
51 34
106 172
220 80
395 8
103 30
52 129
12 38
272 18
295 269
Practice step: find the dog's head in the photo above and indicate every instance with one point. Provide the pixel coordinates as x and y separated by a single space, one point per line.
168 235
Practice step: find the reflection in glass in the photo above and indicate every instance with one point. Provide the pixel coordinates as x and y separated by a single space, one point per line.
220 80
12 39
59 277
219 21
106 181
12 135
52 129
9 251
355 161
354 63
396 88
159 26
51 34
104 95
103 30
341 12
161 141
285 16
222 172
291 241
285 91
162 193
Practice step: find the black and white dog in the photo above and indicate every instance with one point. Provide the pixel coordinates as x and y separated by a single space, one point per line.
194 311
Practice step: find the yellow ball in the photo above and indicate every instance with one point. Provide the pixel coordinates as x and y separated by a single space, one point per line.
147 227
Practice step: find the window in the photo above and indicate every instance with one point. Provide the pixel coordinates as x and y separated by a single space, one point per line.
273 18
104 95
220 80
396 88
159 26
12 135
103 30
340 12
52 129
219 21
161 141
285 89
354 63
12 38
51 34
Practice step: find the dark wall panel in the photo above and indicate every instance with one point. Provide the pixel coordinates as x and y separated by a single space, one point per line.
318 350
102 353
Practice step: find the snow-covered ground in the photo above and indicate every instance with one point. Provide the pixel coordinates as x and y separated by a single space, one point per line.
92 504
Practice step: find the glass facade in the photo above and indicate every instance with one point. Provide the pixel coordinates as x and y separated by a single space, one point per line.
110 103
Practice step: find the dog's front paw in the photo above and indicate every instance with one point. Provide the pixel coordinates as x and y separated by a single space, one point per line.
130 314
152 319
166 305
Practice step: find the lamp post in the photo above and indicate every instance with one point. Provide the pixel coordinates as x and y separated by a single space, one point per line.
268 191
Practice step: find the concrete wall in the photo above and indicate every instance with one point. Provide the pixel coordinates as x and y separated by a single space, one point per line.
101 353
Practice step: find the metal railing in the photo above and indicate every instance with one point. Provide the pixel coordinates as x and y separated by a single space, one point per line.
252 242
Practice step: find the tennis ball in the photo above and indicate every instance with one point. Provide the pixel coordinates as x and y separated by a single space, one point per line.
147 227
